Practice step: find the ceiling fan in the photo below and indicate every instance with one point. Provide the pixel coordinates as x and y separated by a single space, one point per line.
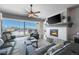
31 13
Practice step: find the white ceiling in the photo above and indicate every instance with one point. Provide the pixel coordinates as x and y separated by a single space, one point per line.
45 9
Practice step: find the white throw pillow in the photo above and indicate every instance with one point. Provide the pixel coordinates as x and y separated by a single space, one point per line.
1 42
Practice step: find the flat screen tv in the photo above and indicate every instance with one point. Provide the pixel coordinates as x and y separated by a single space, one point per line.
54 19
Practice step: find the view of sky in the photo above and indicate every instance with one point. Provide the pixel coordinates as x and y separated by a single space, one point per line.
7 22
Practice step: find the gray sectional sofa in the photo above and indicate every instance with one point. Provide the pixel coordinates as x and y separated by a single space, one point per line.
71 49
32 49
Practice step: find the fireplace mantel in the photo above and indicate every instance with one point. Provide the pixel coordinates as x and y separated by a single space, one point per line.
57 25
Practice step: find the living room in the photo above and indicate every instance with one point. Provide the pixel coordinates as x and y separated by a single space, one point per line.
39 29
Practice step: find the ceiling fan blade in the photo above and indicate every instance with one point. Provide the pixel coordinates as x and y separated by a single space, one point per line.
33 15
28 9
36 12
36 15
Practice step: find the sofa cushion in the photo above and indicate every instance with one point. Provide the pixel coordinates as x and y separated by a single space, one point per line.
4 37
41 51
28 42
30 49
9 50
1 42
8 36
3 51
6 51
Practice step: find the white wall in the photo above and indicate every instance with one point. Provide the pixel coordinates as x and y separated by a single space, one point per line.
74 13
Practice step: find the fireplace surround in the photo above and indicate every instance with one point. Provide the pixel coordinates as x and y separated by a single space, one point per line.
54 32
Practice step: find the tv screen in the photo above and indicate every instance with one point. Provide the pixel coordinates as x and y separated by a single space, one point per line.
54 19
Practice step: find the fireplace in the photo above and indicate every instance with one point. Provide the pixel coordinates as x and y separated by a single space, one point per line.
54 32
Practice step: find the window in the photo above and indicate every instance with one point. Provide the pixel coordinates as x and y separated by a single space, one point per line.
17 27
